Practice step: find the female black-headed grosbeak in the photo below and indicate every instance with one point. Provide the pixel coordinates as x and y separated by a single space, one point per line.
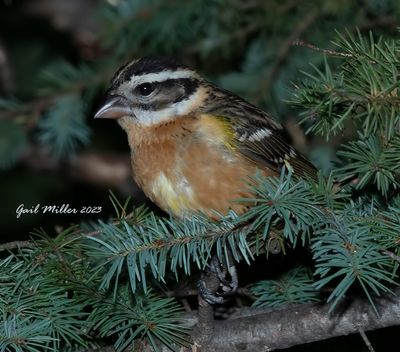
194 145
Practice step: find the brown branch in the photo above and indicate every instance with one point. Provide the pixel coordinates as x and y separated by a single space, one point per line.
255 330
101 168
102 349
205 326
252 329
104 169
389 21
391 255
16 244
188 291
301 43
283 328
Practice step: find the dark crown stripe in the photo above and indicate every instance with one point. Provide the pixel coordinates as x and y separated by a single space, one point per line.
190 85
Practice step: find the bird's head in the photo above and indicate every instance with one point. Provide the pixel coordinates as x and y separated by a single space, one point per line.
150 91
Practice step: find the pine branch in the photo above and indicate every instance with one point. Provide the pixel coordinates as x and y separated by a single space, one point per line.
103 273
301 324
250 329
302 43
16 244
294 287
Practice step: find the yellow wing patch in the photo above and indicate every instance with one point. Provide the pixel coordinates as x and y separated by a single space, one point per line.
217 130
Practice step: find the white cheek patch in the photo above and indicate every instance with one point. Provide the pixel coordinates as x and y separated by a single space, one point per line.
149 118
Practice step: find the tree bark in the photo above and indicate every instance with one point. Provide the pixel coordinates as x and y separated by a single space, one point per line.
283 328
252 330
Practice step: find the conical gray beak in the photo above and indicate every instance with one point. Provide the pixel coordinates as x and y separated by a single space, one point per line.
113 107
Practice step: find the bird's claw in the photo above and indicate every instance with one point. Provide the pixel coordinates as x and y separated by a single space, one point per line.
218 281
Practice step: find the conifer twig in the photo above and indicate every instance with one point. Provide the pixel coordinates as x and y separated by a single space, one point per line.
391 255
366 340
301 324
16 244
329 52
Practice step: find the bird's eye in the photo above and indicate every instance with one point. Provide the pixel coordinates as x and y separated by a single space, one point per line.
145 89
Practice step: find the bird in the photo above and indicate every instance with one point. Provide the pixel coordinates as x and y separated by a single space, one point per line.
194 145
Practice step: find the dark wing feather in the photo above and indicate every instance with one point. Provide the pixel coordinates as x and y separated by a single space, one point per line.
259 138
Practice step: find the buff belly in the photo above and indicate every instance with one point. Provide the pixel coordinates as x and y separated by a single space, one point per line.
190 167
211 183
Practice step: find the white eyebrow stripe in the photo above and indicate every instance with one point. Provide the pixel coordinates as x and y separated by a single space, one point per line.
163 76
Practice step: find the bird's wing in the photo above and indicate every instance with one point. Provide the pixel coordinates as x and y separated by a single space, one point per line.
258 137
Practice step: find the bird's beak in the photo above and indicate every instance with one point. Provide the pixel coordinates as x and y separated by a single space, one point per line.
113 107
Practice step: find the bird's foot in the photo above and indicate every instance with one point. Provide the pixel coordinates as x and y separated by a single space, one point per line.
218 281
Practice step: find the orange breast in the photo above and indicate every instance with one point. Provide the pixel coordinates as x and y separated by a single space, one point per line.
184 171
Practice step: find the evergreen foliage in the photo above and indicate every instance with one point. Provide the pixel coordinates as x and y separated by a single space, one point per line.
86 288
63 126
294 287
13 144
